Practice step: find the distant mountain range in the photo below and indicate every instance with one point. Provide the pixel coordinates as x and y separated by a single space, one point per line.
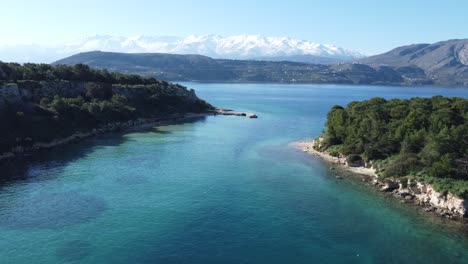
443 63
231 47
205 69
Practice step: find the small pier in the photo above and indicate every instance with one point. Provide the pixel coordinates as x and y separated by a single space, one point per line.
234 113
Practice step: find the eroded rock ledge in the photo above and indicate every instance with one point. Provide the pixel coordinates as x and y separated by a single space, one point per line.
408 190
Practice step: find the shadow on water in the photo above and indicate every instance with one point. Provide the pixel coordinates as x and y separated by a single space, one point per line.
51 210
19 169
362 184
74 251
162 132
41 208
346 181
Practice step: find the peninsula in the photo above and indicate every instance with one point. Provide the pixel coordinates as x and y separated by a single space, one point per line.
415 149
45 106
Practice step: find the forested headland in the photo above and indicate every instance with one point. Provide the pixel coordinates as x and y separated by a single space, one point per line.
422 138
40 102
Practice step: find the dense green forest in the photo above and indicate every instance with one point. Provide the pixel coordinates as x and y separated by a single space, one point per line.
78 73
424 138
33 119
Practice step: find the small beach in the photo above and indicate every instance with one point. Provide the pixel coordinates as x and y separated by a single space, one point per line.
307 147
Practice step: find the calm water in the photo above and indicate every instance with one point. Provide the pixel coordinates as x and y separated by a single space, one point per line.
216 190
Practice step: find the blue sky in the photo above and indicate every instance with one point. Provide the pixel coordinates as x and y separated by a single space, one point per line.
364 25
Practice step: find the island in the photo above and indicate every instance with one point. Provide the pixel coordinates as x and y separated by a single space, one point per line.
43 106
415 149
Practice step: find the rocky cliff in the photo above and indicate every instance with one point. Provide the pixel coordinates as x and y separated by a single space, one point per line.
41 114
423 194
410 190
33 91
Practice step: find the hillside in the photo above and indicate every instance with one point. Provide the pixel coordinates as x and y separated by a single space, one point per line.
421 138
41 103
443 63
201 68
446 62
306 58
158 65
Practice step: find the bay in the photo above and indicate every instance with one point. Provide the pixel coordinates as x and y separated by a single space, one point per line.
219 189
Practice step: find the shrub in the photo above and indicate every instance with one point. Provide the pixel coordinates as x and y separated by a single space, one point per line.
354 160
402 165
334 150
404 183
99 91
444 168
456 187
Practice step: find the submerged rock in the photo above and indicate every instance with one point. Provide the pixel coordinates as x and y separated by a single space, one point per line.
428 209
409 197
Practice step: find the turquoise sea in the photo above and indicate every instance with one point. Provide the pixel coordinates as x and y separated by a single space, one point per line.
218 189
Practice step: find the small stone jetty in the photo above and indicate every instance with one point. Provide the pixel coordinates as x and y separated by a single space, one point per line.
221 111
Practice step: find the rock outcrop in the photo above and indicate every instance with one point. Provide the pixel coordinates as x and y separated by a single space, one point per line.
24 97
23 91
230 112
424 194
9 94
34 91
133 92
410 190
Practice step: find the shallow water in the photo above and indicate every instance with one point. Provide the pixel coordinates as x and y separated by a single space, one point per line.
216 190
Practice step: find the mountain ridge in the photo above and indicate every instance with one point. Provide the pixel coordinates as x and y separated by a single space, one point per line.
205 69
230 47
216 46
443 60
441 63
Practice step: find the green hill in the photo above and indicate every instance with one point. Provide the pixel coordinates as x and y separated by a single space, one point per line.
425 138
41 103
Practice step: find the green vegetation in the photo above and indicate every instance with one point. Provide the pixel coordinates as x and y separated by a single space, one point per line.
13 72
202 68
334 150
99 98
425 138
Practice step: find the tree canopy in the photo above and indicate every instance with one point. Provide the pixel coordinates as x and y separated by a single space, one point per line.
12 72
423 137
36 119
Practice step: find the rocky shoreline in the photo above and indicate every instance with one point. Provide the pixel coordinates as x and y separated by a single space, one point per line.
418 193
140 123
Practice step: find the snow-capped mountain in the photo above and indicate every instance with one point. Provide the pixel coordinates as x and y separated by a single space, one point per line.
232 47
